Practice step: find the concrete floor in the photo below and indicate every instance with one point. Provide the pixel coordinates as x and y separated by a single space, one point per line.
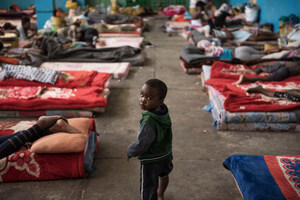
198 148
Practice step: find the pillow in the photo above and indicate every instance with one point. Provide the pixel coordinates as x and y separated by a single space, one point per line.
64 142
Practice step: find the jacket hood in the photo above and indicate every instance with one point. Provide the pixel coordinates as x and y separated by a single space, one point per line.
164 120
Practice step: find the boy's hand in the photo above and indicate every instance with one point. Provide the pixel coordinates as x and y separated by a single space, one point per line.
126 156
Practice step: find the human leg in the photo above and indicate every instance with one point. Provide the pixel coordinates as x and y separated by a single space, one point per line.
18 139
247 53
279 75
294 97
260 89
244 79
62 126
148 182
263 36
162 186
164 177
10 144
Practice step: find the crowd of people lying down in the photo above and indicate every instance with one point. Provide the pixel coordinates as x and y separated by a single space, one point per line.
239 42
240 45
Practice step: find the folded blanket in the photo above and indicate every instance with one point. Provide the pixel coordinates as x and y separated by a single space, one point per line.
192 55
28 73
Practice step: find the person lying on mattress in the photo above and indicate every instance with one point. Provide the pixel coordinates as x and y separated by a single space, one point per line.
49 49
88 35
292 95
8 27
244 53
45 125
240 37
275 72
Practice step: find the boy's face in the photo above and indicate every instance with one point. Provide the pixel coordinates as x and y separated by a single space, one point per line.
150 99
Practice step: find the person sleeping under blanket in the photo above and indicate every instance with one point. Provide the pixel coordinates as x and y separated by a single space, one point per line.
49 49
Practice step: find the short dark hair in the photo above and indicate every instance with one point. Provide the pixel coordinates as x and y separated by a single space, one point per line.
25 20
200 4
159 85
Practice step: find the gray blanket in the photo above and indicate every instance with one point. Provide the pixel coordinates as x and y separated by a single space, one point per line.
192 55
55 52
197 36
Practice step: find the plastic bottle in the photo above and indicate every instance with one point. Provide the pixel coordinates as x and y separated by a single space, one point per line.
108 9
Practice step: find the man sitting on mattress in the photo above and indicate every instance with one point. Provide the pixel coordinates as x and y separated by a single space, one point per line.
23 31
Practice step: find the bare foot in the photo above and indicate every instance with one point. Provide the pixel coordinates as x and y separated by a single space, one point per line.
257 89
241 79
102 43
45 122
249 72
62 126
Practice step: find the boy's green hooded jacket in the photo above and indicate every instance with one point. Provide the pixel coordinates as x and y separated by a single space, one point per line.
154 140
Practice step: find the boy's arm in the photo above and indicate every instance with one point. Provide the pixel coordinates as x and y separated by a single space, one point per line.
145 139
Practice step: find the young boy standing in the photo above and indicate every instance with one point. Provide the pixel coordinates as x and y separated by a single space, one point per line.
154 144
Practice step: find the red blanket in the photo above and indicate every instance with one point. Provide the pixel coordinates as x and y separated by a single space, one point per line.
27 166
40 98
69 79
223 78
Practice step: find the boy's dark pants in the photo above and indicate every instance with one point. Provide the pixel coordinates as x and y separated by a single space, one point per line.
149 177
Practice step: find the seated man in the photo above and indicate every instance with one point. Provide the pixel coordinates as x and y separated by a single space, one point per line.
23 31
221 14
199 18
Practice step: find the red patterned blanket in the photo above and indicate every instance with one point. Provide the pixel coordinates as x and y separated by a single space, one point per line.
223 78
40 98
67 79
27 166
